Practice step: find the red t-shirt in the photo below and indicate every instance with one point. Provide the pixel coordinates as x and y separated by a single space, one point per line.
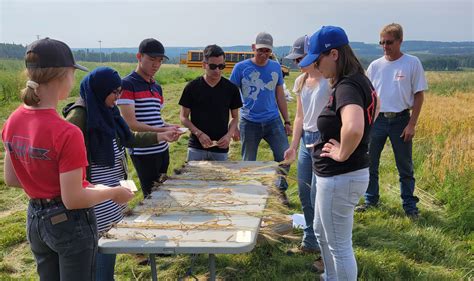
42 145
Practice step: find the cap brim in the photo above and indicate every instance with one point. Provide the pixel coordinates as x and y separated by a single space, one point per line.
155 55
261 46
80 67
294 56
308 59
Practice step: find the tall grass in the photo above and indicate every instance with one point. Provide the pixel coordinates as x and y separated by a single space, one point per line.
13 78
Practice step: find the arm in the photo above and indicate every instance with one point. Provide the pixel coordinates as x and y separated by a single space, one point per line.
352 130
409 131
201 136
128 113
74 196
290 153
9 172
283 107
225 140
77 116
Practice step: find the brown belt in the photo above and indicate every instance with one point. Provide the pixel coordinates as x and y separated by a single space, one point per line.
394 114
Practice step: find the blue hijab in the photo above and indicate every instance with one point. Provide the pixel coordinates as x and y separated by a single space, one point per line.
103 123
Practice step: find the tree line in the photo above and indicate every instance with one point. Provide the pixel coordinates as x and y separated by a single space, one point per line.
429 61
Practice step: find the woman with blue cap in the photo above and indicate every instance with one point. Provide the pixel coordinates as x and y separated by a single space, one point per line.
340 156
106 134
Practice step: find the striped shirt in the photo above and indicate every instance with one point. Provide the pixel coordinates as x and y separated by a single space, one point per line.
147 97
109 212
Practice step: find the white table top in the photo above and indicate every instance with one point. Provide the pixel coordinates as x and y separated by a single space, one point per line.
211 207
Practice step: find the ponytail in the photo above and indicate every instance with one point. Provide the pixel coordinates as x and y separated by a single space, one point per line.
38 76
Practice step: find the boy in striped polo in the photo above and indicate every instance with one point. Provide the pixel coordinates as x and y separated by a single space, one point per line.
140 105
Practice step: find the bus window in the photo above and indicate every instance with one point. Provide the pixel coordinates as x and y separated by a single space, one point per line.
196 56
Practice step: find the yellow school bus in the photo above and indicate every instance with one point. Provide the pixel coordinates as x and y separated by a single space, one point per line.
194 58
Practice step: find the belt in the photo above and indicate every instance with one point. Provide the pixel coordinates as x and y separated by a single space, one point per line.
46 202
395 114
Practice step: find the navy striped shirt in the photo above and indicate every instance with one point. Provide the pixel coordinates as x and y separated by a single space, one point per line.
109 212
147 97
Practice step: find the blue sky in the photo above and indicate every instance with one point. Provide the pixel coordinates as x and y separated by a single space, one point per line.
227 22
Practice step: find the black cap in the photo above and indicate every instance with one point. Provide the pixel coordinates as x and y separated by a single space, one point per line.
152 47
52 53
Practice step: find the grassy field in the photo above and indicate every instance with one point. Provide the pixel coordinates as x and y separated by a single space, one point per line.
388 246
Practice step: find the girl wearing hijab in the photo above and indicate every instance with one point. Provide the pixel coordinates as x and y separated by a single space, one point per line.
106 135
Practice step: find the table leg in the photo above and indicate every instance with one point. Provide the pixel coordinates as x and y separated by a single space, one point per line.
212 267
154 274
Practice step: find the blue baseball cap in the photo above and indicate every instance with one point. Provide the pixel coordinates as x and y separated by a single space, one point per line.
323 40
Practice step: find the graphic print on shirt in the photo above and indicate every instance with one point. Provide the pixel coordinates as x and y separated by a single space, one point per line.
252 85
23 151
399 76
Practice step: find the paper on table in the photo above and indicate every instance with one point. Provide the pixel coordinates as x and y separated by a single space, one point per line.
129 184
99 186
214 143
183 130
243 236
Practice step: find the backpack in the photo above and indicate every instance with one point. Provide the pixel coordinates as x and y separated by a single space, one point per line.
70 106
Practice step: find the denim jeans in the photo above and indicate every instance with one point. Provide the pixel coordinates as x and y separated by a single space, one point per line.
307 187
392 128
64 242
149 168
333 219
273 132
195 154
105 267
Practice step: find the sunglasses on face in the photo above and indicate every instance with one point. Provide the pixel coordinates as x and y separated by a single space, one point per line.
213 66
117 92
264 50
386 42
297 60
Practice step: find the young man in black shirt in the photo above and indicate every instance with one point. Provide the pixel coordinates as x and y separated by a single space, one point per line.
208 100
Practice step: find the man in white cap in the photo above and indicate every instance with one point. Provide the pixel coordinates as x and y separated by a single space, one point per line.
261 84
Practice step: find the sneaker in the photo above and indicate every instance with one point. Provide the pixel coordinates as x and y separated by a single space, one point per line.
414 216
364 207
302 250
318 265
283 198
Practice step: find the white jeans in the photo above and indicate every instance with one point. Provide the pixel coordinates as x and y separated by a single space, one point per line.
333 218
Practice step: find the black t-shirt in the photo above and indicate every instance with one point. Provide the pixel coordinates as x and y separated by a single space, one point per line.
210 108
354 89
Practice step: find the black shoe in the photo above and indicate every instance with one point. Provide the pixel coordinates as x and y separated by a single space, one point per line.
283 198
364 207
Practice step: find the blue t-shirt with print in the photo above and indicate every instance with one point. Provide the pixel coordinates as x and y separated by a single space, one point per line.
257 87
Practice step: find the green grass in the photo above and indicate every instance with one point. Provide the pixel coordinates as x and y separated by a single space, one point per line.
388 246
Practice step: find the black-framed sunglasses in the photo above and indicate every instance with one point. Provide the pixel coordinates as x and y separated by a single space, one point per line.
264 51
298 60
213 66
386 42
117 92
